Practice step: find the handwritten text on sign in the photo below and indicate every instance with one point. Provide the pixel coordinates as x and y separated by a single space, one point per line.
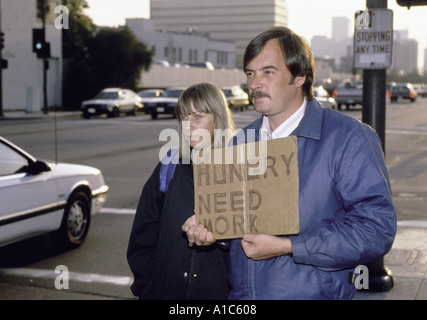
230 201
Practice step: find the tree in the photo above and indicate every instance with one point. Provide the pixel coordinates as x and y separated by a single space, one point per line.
78 79
95 59
117 58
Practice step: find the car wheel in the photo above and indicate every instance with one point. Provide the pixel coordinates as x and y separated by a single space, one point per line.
115 113
75 222
154 116
134 111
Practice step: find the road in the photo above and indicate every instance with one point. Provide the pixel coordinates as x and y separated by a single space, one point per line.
126 150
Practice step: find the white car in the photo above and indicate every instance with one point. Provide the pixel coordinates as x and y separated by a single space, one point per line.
38 197
236 97
112 102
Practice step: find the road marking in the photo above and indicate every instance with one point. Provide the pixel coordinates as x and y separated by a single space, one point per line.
403 223
412 223
73 276
407 131
117 211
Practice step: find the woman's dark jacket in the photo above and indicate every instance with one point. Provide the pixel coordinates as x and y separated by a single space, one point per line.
163 263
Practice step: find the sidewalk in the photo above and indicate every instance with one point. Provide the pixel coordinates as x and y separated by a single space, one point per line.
407 261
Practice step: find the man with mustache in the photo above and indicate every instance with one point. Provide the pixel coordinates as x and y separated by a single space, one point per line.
346 212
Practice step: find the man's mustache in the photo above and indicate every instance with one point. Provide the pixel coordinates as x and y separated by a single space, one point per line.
258 94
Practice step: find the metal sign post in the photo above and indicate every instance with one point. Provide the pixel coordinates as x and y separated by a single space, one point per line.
373 40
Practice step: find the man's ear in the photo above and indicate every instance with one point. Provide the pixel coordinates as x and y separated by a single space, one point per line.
299 81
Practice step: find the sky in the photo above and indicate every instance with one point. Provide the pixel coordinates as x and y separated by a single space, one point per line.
306 17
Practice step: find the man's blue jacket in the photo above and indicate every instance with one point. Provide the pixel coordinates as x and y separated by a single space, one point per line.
346 214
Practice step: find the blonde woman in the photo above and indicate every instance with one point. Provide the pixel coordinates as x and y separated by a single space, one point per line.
164 265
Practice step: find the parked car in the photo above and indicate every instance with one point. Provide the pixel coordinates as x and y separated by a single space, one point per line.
148 94
112 102
207 65
349 94
402 91
323 97
39 197
417 88
237 98
165 104
423 91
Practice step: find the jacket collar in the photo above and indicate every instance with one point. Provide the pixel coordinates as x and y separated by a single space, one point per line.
310 126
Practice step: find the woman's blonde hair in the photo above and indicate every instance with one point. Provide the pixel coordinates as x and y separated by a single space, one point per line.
207 97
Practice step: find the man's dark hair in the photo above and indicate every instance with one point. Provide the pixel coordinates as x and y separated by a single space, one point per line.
296 51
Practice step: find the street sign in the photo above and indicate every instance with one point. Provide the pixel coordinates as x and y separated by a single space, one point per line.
373 39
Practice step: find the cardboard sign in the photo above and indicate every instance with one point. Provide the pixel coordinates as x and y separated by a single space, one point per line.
254 192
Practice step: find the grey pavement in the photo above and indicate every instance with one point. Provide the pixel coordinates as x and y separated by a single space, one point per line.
407 260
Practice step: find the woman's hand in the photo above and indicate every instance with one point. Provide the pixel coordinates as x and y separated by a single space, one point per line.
197 233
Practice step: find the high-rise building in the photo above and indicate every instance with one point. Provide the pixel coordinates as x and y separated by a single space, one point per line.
238 20
336 47
425 63
405 53
340 29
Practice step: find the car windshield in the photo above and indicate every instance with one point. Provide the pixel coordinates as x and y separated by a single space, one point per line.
11 161
227 92
107 95
148 94
172 93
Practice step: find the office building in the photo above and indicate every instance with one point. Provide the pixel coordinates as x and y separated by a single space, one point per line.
237 21
425 63
405 53
340 28
23 78
183 47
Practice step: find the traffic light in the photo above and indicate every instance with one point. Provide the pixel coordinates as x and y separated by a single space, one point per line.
410 3
2 40
38 41
40 46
